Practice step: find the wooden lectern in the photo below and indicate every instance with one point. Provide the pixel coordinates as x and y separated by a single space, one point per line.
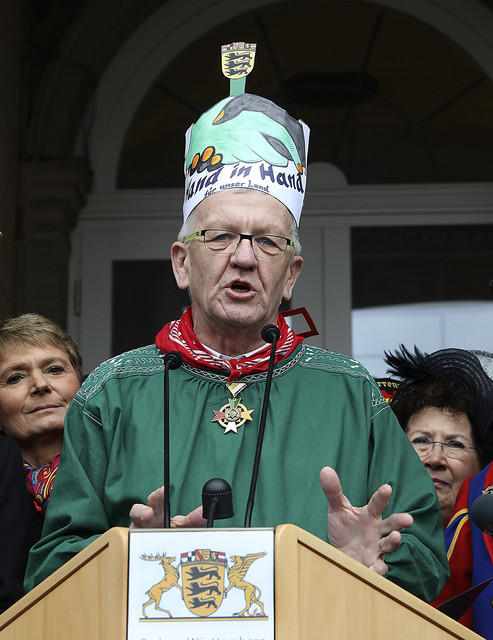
320 593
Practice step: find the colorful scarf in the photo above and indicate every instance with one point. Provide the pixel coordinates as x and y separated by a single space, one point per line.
470 555
40 482
178 335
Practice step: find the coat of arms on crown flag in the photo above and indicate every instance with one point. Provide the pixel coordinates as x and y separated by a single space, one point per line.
237 59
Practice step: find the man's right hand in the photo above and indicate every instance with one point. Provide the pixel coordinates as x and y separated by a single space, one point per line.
151 516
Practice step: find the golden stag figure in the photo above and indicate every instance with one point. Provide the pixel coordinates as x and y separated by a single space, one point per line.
169 580
236 573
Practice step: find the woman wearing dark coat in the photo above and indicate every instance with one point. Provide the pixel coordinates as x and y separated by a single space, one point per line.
40 372
16 523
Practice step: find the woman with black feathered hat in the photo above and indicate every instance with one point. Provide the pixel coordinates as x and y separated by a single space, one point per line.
445 405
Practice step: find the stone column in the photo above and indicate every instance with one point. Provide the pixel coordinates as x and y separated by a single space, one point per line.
51 195
10 39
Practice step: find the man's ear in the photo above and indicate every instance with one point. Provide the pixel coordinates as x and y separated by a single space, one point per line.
179 262
295 267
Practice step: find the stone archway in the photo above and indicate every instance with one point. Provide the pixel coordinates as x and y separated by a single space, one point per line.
174 26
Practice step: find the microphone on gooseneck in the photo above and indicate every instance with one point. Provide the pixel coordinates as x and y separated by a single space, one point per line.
270 333
217 500
172 360
481 513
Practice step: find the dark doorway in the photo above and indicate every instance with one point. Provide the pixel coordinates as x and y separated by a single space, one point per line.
145 297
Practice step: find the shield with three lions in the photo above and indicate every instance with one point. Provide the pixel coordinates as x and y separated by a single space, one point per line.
237 59
202 578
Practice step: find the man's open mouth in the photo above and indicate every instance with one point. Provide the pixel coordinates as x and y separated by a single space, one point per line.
240 286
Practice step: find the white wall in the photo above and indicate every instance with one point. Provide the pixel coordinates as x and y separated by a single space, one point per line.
429 326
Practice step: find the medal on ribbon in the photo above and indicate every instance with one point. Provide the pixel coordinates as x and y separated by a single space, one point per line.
233 414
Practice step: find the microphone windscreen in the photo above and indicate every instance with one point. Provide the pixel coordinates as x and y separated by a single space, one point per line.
173 359
481 513
270 333
219 491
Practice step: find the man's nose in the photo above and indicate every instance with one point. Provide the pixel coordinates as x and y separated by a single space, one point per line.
244 254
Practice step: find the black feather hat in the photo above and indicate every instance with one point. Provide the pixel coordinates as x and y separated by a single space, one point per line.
486 360
447 365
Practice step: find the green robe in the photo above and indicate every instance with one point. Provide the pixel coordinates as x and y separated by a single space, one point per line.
325 409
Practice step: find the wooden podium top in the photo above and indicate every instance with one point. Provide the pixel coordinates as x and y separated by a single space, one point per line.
320 593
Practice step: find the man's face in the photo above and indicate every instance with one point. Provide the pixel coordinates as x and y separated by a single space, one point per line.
237 291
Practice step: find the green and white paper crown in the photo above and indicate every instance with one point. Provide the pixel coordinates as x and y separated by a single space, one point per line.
245 141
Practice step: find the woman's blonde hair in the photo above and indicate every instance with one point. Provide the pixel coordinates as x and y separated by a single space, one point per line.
34 329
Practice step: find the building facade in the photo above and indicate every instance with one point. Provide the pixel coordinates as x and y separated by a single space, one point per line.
95 98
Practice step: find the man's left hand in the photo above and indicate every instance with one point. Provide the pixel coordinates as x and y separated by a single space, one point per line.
360 532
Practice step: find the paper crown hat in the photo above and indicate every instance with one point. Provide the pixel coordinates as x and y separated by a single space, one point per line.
245 141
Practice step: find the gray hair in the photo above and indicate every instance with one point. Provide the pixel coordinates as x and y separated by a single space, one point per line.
188 226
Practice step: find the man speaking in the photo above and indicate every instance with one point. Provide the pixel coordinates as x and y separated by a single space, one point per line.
327 424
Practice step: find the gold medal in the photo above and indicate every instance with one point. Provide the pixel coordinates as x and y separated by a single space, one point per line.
232 415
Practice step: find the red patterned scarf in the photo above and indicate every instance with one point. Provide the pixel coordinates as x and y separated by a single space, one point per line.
40 482
178 335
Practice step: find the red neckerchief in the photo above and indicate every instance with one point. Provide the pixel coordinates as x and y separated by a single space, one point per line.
178 335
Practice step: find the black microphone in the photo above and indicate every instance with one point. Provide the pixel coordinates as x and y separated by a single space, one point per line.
217 500
481 513
172 360
270 333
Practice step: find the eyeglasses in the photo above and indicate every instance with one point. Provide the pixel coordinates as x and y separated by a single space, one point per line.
452 449
222 241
